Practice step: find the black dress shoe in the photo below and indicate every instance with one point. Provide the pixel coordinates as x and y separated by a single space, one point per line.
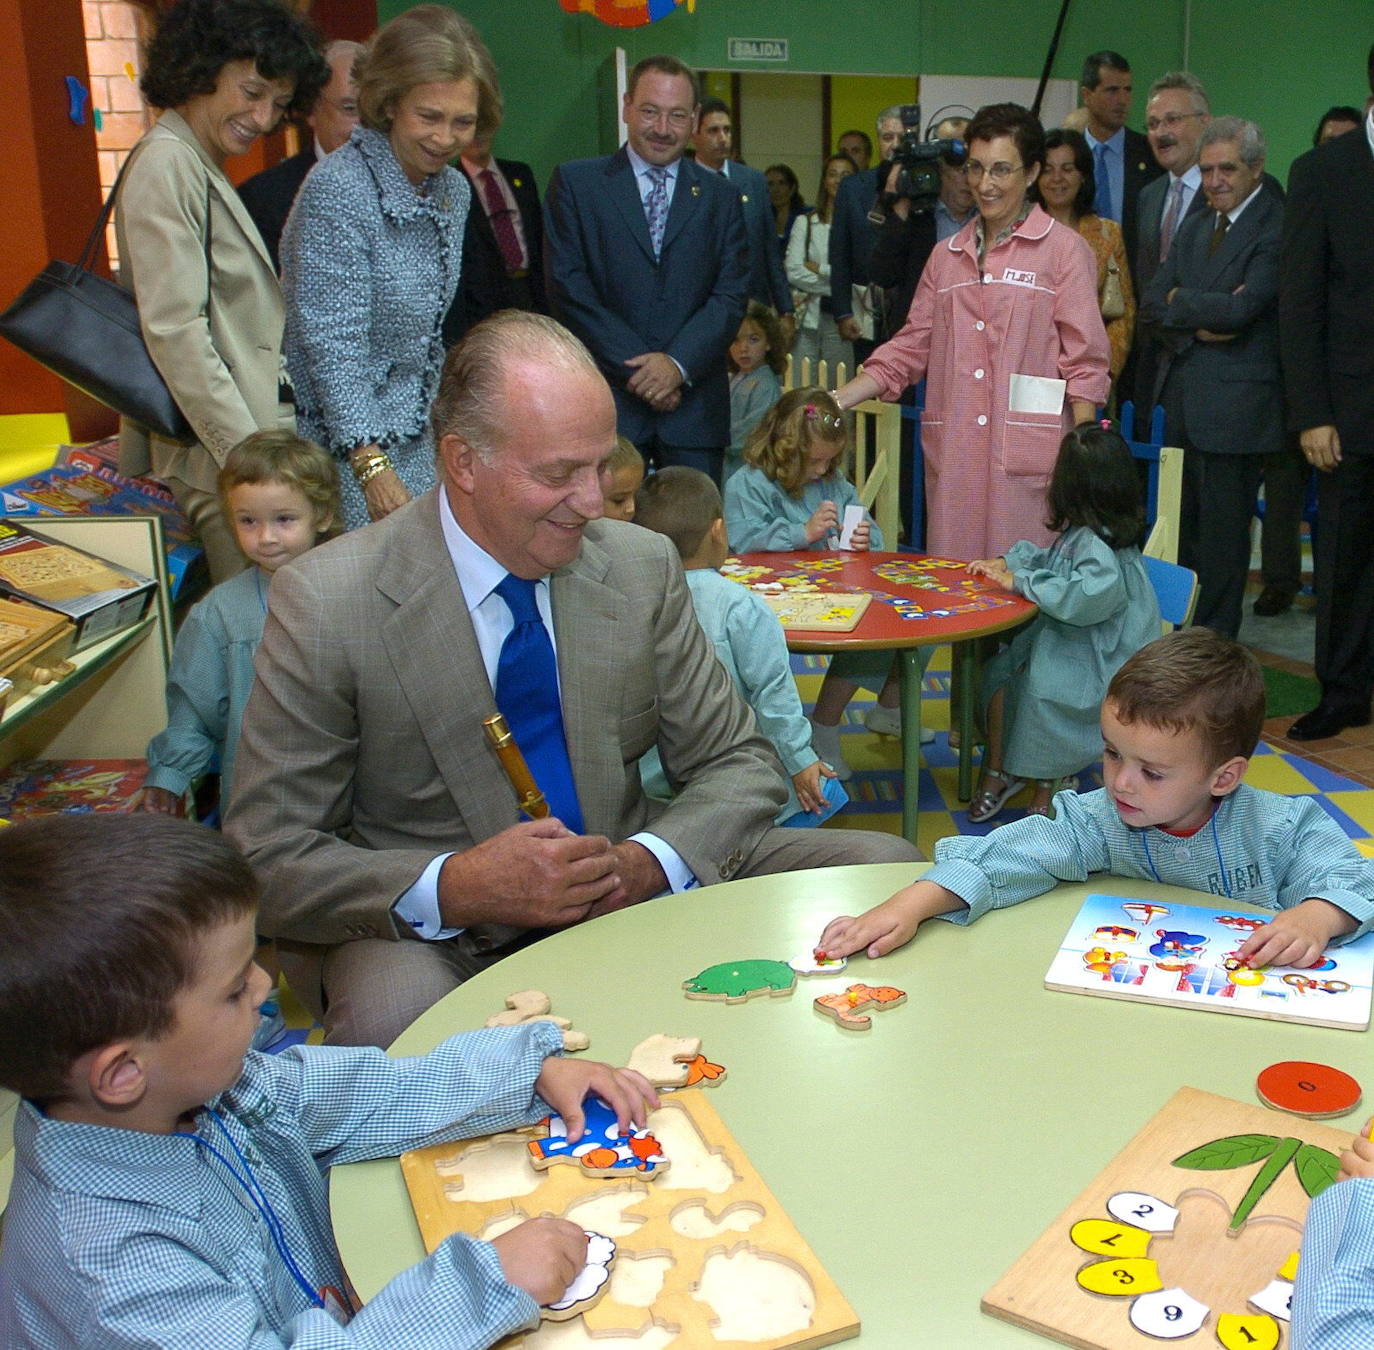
1327 720
1273 600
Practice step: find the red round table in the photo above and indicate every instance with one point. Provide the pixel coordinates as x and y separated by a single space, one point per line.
907 629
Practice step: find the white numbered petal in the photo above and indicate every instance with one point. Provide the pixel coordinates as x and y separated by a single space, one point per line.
1276 1298
1144 1211
1168 1314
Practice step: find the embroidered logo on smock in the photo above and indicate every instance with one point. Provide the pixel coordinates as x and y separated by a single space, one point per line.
1018 278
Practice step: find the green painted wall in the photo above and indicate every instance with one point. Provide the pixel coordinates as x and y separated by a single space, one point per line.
1272 60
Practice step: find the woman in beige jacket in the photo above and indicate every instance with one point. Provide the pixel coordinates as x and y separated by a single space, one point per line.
224 72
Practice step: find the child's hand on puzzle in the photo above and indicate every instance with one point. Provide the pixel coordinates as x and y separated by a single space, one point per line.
825 519
808 786
564 1083
1358 1159
890 925
1297 936
542 1256
994 570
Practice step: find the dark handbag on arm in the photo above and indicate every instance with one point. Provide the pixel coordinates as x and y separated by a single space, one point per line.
85 328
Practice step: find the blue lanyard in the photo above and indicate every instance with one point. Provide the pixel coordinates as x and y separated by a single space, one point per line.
1216 844
258 1196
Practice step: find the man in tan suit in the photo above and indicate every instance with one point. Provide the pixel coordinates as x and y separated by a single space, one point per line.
381 825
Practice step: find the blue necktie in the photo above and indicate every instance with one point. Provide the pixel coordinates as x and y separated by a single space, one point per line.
656 205
1102 197
527 694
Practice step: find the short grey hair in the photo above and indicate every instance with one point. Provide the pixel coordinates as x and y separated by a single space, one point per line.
890 114
1248 137
1190 84
471 403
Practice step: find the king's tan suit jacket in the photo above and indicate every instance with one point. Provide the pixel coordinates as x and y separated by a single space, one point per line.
215 338
362 754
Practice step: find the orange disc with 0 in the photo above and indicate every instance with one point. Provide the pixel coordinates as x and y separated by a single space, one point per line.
1306 1089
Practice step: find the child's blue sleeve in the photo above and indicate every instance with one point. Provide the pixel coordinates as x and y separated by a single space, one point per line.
1318 862
1089 592
757 515
197 704
1333 1305
760 652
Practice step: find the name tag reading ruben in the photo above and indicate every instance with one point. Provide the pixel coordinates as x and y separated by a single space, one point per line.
1018 278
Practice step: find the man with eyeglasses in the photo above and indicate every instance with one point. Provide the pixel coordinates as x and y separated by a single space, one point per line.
648 263
268 195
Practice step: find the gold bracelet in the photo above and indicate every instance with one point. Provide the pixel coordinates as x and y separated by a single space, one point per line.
380 465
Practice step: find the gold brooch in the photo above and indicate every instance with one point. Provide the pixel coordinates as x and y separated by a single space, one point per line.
696 191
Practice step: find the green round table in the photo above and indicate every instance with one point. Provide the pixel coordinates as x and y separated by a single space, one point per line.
919 1158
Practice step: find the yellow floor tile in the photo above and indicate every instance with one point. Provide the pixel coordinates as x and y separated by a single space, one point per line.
1276 774
1358 805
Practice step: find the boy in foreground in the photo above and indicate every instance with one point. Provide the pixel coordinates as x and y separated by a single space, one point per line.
170 1186
1180 721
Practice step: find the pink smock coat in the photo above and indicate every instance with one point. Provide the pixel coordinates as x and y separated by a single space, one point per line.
1032 311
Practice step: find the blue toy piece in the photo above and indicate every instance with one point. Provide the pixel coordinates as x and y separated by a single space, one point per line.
602 1151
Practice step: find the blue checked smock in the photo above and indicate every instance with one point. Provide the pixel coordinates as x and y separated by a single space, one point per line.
761 518
1333 1305
1274 851
119 1239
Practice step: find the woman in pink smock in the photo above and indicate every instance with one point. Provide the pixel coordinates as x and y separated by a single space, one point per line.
1005 326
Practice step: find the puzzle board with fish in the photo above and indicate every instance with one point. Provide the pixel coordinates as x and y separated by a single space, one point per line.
1194 1225
1183 956
705 1254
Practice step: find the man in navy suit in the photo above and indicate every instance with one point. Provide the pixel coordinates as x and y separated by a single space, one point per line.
268 195
712 141
1122 162
648 263
1327 308
1215 301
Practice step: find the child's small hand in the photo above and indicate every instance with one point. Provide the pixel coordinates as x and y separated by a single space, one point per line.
163 801
808 786
542 1257
1297 936
824 520
1358 1159
890 925
564 1083
859 540
994 570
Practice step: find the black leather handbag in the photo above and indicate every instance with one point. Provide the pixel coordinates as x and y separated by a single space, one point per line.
85 328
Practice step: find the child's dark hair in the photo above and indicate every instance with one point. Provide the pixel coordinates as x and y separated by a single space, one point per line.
1095 484
1195 679
280 456
101 917
767 321
680 502
788 430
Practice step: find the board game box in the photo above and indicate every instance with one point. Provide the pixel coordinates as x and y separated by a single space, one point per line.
39 787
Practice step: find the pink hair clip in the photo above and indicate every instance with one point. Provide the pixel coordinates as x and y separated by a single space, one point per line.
811 412
1105 424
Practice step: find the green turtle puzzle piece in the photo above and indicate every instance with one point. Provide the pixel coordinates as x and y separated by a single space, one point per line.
735 981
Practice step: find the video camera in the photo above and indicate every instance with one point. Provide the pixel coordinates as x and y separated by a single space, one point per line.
919 180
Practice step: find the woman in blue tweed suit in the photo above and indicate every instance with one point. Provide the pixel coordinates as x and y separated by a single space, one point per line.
371 254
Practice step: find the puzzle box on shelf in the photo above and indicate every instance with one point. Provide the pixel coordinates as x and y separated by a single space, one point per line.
1184 956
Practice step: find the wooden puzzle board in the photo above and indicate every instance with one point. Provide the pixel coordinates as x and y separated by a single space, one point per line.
1117 948
675 1238
1040 1292
819 611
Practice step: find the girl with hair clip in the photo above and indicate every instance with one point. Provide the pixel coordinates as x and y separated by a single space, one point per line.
789 495
1097 608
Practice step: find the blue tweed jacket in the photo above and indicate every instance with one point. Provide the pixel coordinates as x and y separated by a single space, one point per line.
370 267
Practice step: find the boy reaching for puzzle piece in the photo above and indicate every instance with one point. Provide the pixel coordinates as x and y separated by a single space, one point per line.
1180 721
170 1184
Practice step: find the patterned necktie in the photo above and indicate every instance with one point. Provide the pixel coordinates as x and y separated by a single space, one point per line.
1219 233
656 205
527 695
501 224
1102 195
1171 215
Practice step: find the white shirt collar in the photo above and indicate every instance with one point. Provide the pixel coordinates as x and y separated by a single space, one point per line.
1369 126
1233 214
477 571
1191 178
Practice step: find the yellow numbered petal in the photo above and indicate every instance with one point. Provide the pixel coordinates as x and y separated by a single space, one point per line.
1106 1237
1289 1269
1247 1331
1131 1276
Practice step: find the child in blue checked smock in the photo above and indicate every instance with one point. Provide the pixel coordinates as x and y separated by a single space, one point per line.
684 504
1097 607
1180 722
758 360
280 494
789 495
170 1186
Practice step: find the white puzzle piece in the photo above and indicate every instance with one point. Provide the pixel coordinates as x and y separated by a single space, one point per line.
1168 1314
1276 1298
1144 1211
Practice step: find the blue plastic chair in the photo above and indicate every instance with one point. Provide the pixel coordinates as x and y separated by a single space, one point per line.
1175 590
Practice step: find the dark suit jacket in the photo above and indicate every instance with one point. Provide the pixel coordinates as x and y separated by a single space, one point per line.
1231 390
483 286
605 284
1141 167
1326 303
268 196
767 280
852 237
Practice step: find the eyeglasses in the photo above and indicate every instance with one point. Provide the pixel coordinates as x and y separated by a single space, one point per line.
999 172
678 118
1168 122
347 107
